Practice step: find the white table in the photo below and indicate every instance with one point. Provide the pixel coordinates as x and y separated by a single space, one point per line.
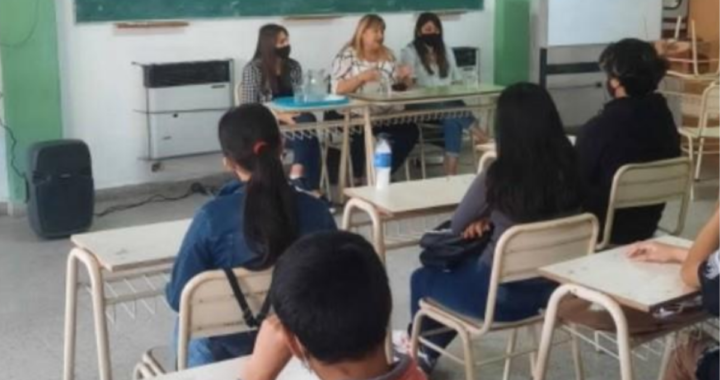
610 279
231 370
116 257
642 286
404 200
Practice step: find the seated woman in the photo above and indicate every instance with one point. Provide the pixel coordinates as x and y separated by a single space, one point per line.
433 65
273 74
636 126
534 179
249 224
362 65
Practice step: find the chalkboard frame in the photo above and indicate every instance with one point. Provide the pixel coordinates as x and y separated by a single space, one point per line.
124 12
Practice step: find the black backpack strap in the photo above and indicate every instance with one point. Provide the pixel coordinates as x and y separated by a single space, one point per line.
250 320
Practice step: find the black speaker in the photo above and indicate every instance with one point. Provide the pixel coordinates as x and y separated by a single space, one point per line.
61 190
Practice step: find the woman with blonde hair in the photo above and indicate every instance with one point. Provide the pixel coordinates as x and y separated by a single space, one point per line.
363 65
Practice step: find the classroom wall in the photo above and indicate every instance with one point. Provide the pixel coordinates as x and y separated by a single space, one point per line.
3 157
101 86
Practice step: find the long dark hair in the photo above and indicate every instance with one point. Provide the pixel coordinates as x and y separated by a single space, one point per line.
536 175
266 56
250 138
422 49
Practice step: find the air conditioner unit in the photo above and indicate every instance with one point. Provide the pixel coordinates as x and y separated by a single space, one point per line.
184 103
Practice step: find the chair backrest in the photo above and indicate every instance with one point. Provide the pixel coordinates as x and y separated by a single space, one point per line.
486 160
648 184
710 106
525 248
209 308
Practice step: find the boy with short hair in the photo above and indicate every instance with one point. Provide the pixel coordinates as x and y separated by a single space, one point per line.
332 301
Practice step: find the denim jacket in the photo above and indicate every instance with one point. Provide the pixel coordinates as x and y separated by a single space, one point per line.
215 238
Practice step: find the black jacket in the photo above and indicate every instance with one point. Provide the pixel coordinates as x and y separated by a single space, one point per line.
628 130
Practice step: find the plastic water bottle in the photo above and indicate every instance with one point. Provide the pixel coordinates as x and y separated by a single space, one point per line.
383 162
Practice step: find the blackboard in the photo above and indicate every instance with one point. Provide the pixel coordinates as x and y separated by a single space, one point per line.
133 10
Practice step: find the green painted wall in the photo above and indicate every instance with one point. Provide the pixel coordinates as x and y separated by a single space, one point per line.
31 79
512 41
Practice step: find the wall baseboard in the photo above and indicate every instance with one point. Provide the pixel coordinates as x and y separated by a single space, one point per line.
122 194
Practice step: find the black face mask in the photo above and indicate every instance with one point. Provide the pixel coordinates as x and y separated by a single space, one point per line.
283 52
432 40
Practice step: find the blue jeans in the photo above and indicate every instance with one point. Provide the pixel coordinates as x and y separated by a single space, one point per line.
306 151
465 291
453 127
204 351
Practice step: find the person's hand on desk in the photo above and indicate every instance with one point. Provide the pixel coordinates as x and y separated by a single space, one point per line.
654 252
476 230
271 354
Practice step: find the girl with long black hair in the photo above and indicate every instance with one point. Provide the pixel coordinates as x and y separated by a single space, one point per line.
250 223
535 178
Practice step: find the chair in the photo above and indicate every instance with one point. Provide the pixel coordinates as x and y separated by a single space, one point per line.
695 61
648 184
519 253
696 137
486 160
209 308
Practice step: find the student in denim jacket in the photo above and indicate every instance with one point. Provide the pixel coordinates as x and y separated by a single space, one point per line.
249 224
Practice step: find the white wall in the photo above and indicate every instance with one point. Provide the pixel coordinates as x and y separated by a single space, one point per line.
585 22
3 158
100 86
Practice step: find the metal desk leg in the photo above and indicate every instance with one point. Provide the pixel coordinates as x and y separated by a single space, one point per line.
369 147
378 236
71 290
623 337
98 302
378 233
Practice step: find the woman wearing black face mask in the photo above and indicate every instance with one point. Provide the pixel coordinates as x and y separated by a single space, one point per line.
433 65
273 74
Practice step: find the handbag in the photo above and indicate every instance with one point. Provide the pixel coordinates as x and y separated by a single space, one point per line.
445 250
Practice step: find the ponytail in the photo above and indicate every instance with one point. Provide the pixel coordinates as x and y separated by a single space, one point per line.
270 213
250 137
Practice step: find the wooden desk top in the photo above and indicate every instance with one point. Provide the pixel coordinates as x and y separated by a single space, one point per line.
230 370
641 286
412 196
429 94
134 247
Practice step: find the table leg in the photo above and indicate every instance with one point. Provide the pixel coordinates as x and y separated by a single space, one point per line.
97 290
378 233
344 152
369 149
71 290
623 337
